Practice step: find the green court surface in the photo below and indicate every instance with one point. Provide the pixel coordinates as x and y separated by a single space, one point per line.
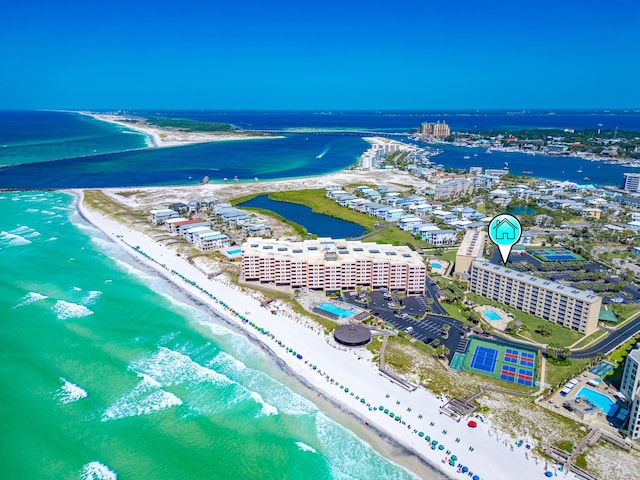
553 254
502 361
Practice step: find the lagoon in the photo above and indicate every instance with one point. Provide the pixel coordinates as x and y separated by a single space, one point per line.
315 223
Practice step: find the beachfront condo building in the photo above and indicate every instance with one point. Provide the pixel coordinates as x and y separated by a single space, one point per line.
330 265
435 130
632 182
629 388
471 248
557 303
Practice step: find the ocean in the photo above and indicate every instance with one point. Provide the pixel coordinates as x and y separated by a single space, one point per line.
109 372
28 162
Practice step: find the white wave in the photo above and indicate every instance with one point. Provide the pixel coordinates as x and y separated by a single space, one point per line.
77 289
29 298
97 471
32 210
224 359
66 310
70 392
144 399
25 232
169 367
167 338
51 239
12 240
130 269
267 408
306 448
91 296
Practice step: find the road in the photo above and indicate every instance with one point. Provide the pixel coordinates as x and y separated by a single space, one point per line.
609 343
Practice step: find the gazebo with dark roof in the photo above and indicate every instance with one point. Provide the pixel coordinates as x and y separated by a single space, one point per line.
352 335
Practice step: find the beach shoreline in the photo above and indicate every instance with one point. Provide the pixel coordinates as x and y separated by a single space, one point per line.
419 409
162 137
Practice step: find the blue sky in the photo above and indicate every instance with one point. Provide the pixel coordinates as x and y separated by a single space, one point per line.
320 55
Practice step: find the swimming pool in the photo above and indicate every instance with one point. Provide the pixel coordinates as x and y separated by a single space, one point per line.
436 265
601 401
337 311
491 315
235 251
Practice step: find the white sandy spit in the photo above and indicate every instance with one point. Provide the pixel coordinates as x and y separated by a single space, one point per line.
489 459
165 137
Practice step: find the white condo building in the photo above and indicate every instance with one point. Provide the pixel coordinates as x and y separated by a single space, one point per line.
629 388
330 265
567 306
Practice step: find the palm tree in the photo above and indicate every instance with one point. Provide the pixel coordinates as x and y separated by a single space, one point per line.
445 330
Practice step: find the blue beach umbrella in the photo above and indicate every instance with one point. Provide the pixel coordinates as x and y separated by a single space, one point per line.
465 469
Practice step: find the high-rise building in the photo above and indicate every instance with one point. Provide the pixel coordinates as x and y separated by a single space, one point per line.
471 248
329 265
632 182
435 130
566 306
629 388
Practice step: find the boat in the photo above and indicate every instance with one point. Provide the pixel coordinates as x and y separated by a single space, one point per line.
466 157
586 178
488 150
580 169
527 172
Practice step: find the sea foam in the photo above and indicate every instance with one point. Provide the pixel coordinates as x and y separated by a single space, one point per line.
65 310
97 471
144 399
29 298
267 408
12 240
70 392
306 448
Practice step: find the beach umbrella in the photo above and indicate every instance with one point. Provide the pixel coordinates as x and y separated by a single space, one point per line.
381 407
472 423
299 357
314 367
391 414
421 434
454 457
435 442
346 390
452 463
465 469
441 447
548 473
475 477
362 400
427 438
386 410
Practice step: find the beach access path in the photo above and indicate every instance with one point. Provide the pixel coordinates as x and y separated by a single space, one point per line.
485 452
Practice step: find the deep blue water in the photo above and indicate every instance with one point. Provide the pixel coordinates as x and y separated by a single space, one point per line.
406 121
66 150
315 223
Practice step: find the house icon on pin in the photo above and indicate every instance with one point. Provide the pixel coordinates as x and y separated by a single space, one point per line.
504 229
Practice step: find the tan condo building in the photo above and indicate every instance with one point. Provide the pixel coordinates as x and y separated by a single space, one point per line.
329 265
435 130
566 306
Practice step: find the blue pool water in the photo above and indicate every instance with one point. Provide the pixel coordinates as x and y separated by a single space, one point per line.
340 312
436 265
601 401
235 251
491 315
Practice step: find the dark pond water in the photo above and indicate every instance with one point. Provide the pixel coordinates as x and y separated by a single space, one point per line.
315 223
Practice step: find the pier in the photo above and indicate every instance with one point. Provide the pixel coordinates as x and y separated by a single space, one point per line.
348 133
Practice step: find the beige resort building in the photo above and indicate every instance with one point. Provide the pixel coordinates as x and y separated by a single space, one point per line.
330 265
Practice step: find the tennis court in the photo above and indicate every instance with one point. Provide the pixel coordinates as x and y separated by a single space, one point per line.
502 361
550 254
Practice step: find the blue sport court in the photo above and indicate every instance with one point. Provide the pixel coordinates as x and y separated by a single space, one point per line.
484 358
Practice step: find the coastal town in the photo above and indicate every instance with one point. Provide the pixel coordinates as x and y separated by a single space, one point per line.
425 297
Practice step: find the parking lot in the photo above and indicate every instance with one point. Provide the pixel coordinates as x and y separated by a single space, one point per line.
428 328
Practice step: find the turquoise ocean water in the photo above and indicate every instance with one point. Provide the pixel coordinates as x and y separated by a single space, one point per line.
108 372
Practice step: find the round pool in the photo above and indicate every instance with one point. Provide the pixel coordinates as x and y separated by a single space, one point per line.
436 265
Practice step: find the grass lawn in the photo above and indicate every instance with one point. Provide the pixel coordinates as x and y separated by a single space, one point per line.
454 311
625 313
394 236
557 374
586 340
449 256
320 203
559 334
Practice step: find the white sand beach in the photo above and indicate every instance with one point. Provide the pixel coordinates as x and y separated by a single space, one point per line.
166 137
485 452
